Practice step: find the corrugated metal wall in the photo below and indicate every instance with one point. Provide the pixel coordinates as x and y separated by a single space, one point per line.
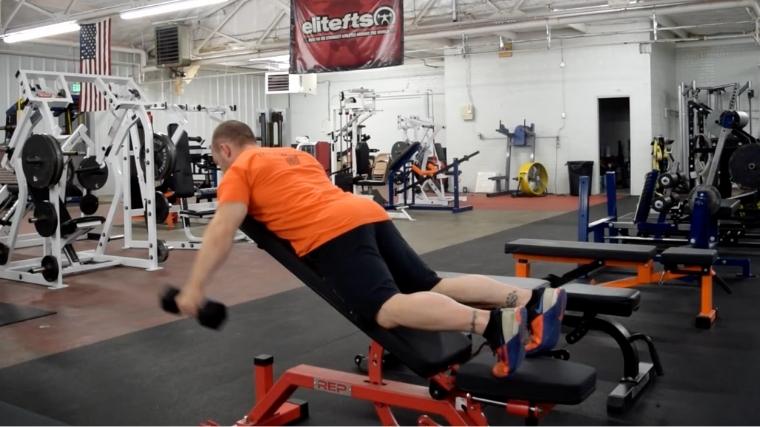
244 91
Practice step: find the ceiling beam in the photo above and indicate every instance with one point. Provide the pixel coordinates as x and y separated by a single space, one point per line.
425 9
581 28
12 15
221 24
516 8
221 34
667 22
68 8
30 5
272 25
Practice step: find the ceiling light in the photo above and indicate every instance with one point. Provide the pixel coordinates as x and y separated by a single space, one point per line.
168 7
39 32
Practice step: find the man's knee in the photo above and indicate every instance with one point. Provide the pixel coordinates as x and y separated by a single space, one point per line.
387 316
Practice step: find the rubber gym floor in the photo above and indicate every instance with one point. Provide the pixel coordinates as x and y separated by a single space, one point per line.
109 356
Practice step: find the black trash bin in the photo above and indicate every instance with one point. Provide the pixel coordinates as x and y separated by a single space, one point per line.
577 169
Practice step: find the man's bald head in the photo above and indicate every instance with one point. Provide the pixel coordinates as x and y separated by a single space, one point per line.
233 132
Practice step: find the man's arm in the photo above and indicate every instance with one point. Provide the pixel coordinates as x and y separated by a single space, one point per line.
217 241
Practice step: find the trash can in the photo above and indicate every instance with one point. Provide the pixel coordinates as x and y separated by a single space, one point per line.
577 169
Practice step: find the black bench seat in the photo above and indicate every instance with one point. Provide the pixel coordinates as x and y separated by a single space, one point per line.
574 249
538 380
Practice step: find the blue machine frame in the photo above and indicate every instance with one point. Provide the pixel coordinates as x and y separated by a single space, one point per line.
702 233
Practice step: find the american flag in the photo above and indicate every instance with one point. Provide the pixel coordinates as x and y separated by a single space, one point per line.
94 58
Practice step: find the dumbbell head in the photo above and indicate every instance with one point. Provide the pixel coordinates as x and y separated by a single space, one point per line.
211 315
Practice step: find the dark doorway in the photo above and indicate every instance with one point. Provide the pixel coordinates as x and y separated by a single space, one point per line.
615 140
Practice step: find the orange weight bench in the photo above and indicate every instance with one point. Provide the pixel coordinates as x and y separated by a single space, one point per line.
591 257
458 385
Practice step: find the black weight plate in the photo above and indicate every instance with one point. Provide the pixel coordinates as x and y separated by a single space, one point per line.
163 251
4 254
46 219
42 161
713 197
744 166
164 154
91 175
89 204
49 268
162 208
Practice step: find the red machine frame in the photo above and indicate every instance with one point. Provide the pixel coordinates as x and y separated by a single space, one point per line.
456 407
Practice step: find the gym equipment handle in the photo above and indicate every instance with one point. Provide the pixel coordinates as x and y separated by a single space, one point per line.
212 314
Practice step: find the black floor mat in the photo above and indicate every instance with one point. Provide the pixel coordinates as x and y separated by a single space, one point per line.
181 374
11 415
12 313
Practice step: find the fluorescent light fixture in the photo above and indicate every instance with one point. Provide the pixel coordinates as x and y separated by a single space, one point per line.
39 32
168 7
279 58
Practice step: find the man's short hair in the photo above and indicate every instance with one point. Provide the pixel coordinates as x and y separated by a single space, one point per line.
234 131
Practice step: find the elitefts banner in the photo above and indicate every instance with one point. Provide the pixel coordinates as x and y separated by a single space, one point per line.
330 35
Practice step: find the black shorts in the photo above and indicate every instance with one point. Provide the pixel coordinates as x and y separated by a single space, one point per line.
370 264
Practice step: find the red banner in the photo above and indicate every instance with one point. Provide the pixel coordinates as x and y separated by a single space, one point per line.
330 35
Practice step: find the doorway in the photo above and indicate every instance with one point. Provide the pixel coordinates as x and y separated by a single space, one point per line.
615 140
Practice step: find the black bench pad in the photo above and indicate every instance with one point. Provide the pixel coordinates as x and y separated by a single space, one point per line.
539 380
574 249
689 257
601 300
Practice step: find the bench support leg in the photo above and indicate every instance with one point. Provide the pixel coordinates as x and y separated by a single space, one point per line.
522 268
707 313
636 375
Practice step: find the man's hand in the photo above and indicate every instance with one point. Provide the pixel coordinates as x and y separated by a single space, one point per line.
189 300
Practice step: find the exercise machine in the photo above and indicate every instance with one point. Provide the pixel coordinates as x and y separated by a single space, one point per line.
40 155
532 178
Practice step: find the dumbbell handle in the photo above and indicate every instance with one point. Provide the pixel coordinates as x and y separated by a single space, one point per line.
211 315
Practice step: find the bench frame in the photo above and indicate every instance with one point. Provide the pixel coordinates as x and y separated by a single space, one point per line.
272 406
645 275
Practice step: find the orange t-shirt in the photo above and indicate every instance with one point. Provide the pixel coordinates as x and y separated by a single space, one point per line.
288 191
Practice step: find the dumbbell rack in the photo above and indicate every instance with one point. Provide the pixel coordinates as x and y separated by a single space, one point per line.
127 102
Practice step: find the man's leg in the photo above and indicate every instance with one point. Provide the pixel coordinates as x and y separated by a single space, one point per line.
545 307
483 291
431 311
504 328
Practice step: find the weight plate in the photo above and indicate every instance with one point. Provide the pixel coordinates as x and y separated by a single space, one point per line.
49 268
162 208
42 161
45 219
744 166
4 254
163 251
713 197
89 204
91 175
164 153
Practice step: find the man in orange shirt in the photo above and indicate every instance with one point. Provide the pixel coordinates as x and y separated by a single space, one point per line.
351 241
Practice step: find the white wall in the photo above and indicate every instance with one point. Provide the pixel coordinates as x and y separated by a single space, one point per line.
401 90
244 91
664 91
533 86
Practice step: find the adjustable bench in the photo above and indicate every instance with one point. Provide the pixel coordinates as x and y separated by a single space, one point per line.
458 386
585 304
590 257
